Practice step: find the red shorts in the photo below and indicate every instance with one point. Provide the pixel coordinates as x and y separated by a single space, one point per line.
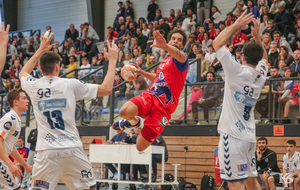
296 100
155 114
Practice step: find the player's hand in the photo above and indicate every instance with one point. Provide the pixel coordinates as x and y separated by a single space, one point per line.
243 21
112 53
258 154
160 40
15 171
4 34
255 29
45 43
138 69
28 168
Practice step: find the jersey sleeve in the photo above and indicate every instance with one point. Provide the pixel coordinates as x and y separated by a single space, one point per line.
230 65
27 81
5 127
262 67
182 66
83 90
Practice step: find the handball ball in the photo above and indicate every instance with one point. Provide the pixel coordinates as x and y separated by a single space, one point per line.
128 72
47 34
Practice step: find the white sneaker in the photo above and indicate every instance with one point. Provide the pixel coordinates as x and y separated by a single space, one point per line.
258 121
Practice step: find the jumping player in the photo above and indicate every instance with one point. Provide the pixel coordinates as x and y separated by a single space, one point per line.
10 128
243 85
60 155
160 100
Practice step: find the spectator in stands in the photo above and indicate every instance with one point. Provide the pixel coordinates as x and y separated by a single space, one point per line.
152 7
128 42
21 58
230 16
72 34
15 70
142 40
266 161
192 55
156 25
84 66
281 67
119 92
22 149
9 85
271 27
136 87
281 41
240 7
90 49
32 47
260 6
121 45
208 99
290 168
145 30
158 15
283 54
72 66
129 10
139 62
201 34
22 43
218 77
38 38
252 8
148 48
188 48
165 27
135 46
282 17
132 30
212 30
216 18
203 10
196 94
111 35
239 40
274 6
128 21
88 32
206 41
273 55
152 61
11 50
204 64
189 11
48 28
120 62
171 16
64 52
127 58
15 41
263 24
163 55
140 22
266 41
120 12
32 138
120 22
123 31
179 17
294 30
295 64
265 11
188 24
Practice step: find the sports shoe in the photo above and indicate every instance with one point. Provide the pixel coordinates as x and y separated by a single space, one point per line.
124 124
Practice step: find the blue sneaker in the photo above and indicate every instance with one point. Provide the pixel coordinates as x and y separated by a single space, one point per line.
124 124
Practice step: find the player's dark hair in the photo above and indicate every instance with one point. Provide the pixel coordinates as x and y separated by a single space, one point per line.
274 67
291 142
222 22
229 14
263 139
13 95
48 61
177 30
253 53
277 32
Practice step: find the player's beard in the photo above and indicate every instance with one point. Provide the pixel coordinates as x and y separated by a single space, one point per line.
262 148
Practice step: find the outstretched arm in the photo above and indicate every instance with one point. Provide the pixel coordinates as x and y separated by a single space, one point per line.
3 44
240 24
255 34
45 46
173 51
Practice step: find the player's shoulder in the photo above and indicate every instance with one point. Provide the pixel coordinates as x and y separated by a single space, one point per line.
286 156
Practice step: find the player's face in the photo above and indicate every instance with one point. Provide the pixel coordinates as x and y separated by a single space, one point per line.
290 148
176 41
22 103
262 145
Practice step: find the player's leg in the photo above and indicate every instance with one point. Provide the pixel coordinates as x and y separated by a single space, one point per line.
287 107
142 143
236 185
271 182
296 183
129 110
265 177
252 184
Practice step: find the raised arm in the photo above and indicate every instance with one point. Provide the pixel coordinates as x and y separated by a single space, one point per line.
3 44
240 24
173 51
44 46
255 34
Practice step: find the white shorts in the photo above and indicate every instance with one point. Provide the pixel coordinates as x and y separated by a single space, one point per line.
6 178
236 158
69 165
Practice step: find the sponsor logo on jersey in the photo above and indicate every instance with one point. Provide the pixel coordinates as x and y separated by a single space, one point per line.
87 176
50 104
266 160
244 99
7 125
161 89
41 184
50 138
164 121
242 167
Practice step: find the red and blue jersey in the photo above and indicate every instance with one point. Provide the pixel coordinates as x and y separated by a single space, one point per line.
295 89
169 82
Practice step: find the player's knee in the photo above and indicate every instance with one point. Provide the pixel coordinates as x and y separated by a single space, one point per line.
265 176
123 112
271 179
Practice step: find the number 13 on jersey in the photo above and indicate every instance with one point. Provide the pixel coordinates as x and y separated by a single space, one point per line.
54 119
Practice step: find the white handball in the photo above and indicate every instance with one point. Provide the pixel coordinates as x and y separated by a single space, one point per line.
128 72
47 34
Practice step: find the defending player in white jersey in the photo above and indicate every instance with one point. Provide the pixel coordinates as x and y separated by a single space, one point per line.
243 85
10 128
60 155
